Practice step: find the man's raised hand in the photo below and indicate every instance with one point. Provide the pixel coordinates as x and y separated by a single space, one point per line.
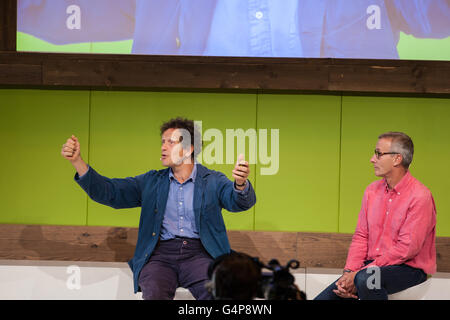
241 172
71 149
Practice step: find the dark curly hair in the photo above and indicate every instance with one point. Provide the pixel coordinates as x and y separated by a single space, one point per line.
189 126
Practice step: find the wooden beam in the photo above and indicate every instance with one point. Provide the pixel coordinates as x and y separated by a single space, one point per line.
8 25
265 245
323 250
141 72
116 244
67 243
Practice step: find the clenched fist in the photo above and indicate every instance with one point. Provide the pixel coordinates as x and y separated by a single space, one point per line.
71 149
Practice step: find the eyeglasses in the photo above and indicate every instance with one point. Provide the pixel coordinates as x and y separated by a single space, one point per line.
380 154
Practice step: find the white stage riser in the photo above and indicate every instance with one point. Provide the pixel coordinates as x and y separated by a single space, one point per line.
111 281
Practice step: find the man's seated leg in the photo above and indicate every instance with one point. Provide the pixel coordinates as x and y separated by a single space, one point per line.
158 278
158 281
377 283
193 269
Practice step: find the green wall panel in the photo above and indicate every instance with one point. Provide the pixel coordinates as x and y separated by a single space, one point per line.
323 154
303 195
37 185
425 120
125 138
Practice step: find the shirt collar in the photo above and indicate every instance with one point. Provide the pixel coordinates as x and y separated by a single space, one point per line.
401 185
192 176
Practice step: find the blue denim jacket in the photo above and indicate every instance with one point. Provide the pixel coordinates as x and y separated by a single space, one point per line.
212 192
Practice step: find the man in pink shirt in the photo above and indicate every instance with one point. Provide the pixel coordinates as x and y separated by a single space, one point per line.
393 247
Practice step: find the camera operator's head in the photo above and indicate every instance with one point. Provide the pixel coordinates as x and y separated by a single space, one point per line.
234 276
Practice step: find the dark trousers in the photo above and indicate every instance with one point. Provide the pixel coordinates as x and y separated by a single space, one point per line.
180 262
391 279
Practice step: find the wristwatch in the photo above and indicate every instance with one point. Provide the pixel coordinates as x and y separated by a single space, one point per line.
240 185
347 270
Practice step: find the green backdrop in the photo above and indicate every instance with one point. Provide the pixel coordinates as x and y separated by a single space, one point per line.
325 143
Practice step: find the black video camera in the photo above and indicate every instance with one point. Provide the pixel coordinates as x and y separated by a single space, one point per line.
280 283
237 276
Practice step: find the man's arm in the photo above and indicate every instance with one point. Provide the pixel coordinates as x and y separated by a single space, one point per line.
74 21
421 18
116 193
81 167
357 252
240 195
233 199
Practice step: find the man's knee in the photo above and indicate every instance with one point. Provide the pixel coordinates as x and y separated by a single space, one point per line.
157 284
361 279
154 290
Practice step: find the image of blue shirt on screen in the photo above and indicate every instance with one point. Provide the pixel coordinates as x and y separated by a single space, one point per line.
253 28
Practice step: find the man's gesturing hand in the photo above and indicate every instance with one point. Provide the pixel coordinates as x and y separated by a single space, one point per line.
241 172
71 149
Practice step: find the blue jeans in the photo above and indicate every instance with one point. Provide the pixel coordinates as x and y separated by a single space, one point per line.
377 284
180 262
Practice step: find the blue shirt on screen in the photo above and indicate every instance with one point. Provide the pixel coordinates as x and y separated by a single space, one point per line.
255 28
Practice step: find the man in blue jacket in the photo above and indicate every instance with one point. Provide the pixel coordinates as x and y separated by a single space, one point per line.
181 229
255 28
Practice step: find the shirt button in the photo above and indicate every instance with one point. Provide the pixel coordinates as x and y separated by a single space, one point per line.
178 42
181 203
387 212
398 193
181 230
390 200
153 234
259 15
156 210
378 249
181 218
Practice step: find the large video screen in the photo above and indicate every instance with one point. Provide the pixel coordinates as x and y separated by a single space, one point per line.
367 29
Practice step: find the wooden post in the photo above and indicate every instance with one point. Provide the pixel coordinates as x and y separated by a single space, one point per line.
8 25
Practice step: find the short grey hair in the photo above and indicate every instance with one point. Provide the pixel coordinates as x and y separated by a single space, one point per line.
402 144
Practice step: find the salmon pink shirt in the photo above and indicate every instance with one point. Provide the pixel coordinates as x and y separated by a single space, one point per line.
395 227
